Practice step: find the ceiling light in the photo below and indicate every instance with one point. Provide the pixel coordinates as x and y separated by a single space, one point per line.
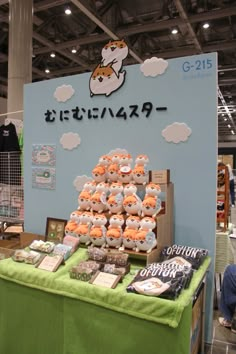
232 132
74 50
174 31
52 55
47 71
225 119
68 11
206 25
229 126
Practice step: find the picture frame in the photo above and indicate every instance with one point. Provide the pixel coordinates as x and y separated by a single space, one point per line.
55 230
106 280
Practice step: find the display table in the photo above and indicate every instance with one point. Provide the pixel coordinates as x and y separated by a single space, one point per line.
44 313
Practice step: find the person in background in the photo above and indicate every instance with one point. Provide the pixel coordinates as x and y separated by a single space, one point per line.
231 185
228 298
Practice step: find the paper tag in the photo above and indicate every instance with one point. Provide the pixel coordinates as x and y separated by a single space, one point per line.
103 198
150 237
158 204
125 169
119 198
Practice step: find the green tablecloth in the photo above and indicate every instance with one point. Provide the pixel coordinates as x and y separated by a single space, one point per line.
51 313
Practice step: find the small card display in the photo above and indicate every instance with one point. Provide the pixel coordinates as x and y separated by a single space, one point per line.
106 280
51 263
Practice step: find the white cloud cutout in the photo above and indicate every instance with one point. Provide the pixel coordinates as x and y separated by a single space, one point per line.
176 133
80 181
117 151
70 140
63 93
154 66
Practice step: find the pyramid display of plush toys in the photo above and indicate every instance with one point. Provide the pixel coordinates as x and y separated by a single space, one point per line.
111 213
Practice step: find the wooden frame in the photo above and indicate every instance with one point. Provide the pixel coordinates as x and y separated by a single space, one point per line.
55 230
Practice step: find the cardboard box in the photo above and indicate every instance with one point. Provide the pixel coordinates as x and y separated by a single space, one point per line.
159 176
26 238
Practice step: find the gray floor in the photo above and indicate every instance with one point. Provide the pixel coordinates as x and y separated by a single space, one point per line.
224 341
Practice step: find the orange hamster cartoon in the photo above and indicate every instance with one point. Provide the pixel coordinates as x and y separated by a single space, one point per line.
140 175
114 52
104 80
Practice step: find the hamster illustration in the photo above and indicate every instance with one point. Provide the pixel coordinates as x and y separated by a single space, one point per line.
104 80
114 52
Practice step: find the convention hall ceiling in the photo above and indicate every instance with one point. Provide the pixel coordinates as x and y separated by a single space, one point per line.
146 25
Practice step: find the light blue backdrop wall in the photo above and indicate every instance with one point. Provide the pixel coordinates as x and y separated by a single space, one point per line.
190 97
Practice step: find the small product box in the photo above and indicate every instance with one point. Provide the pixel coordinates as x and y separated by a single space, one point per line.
159 176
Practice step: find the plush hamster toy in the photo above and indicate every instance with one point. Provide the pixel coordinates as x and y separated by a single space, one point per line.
146 238
131 230
83 229
75 215
70 228
115 199
112 172
152 190
99 173
116 159
90 187
131 203
151 206
102 187
98 230
126 160
140 175
125 174
104 160
98 202
84 200
142 160
114 232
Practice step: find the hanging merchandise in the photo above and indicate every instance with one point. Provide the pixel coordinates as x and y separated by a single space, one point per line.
10 164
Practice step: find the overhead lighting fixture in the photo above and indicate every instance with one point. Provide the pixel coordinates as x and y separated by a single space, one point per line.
47 71
229 126
232 132
225 119
206 25
52 55
73 50
174 31
68 11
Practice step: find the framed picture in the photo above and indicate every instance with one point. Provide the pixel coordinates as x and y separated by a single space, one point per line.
55 230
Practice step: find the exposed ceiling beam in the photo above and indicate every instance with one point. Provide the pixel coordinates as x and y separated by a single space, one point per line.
47 4
136 29
52 47
227 82
3 2
184 16
99 23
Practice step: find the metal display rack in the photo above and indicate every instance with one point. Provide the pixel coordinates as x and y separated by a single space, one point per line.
11 191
